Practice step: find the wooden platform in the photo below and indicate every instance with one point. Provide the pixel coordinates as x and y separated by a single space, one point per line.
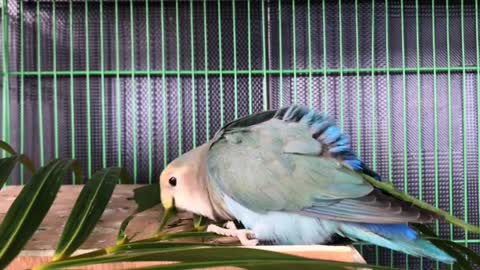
40 248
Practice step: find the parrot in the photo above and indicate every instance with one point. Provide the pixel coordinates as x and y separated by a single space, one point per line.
290 177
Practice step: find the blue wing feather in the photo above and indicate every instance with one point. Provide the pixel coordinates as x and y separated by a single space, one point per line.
328 134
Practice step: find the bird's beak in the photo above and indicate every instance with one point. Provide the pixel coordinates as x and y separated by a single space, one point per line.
168 213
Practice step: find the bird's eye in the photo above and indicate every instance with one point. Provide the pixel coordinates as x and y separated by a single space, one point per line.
172 181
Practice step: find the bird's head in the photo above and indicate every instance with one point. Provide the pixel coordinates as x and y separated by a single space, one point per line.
183 184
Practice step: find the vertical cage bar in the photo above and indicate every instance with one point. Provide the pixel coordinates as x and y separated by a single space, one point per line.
6 98
117 89
72 92
404 108
435 119
102 89
22 89
87 69
419 101
374 104
324 33
205 58
235 82
404 99
357 57
309 30
280 52
39 80
389 121
340 45
134 94
249 45
164 91
477 47
192 77
419 106
464 120
264 60
149 91
55 90
220 59
450 161
179 80
294 41
389 110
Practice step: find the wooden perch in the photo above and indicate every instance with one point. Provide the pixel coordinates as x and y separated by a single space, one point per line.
40 248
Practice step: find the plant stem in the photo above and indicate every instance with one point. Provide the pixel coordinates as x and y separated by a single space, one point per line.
121 247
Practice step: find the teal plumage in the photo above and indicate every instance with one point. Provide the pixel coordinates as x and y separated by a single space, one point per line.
290 177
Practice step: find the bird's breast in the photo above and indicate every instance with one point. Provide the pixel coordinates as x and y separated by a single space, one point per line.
284 228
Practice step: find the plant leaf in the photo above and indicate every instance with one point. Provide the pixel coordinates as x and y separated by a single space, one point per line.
8 164
147 196
6 168
88 209
461 262
456 250
194 234
121 235
31 206
27 163
5 146
136 246
388 188
153 246
269 264
201 254
23 158
472 256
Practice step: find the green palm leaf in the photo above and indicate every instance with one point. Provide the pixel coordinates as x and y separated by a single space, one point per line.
22 158
465 257
146 197
6 168
5 146
88 209
31 206
202 256
390 189
254 264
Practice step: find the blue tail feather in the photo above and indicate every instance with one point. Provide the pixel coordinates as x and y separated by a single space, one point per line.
392 230
398 237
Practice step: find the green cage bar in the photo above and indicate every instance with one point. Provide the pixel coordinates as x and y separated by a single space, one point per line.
39 89
205 57
88 91
102 86
5 72
149 87
192 63
72 93
134 94
22 91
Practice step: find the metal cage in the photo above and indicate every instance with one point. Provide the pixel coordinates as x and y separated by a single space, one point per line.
135 83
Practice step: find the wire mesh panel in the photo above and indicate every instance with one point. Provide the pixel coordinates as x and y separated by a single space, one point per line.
136 83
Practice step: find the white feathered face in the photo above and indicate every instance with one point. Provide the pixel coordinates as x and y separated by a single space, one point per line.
182 188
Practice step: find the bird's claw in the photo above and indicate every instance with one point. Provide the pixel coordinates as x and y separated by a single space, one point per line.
246 237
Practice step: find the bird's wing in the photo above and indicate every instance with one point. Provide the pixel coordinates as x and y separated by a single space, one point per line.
296 160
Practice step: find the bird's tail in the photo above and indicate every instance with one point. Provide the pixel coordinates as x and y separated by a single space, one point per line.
398 237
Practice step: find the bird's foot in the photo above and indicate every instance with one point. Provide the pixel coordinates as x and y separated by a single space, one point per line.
246 237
